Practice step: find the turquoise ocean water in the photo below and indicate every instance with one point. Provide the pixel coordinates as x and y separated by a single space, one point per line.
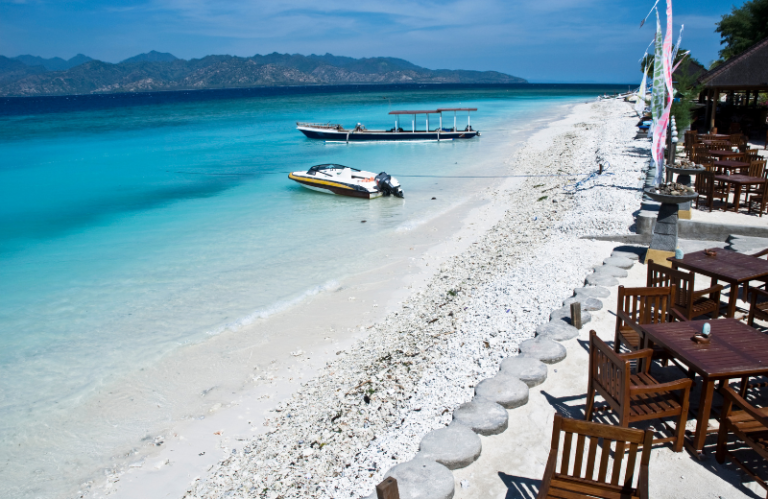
128 231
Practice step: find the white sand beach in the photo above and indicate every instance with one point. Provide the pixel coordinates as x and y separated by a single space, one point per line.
377 366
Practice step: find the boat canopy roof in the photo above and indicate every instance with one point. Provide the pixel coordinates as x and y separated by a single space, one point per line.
436 111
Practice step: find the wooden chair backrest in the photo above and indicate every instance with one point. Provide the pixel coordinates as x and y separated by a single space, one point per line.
661 276
705 182
609 372
588 437
648 305
720 146
757 168
700 155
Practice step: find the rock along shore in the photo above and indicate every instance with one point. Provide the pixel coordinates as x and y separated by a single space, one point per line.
370 408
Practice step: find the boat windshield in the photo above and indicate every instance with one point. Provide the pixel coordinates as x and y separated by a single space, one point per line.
330 166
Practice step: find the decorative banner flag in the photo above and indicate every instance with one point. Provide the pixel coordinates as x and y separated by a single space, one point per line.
640 102
660 132
657 95
682 58
679 42
649 13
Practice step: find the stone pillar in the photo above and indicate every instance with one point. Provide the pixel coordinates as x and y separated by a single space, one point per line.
664 240
685 208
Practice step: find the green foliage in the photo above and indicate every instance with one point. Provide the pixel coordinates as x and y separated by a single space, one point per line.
743 27
687 90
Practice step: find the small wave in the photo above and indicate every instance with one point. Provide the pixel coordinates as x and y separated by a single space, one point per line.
413 224
275 308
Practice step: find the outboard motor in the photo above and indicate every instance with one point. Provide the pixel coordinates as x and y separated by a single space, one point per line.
387 185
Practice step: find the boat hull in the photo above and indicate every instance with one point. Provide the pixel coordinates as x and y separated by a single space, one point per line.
381 136
329 187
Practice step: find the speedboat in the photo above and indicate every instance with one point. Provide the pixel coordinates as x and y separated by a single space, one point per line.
345 181
337 133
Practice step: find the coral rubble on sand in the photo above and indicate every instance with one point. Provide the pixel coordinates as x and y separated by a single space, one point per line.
370 408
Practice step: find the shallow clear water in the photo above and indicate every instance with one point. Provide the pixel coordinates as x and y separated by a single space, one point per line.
127 232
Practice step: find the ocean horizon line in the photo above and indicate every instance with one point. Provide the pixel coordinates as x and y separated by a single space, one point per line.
41 104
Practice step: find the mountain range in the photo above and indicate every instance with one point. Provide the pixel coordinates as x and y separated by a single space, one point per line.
28 75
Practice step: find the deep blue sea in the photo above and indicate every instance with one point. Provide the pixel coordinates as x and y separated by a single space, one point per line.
132 225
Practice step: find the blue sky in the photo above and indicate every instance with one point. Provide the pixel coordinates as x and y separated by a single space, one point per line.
541 40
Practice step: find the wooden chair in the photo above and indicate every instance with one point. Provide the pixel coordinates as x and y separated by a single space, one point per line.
635 397
579 481
757 309
705 187
757 168
638 306
748 423
688 302
759 197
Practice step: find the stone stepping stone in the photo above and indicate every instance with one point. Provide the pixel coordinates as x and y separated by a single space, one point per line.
530 371
611 271
626 254
558 331
620 262
601 280
454 446
507 391
422 479
592 292
564 315
546 350
482 416
590 304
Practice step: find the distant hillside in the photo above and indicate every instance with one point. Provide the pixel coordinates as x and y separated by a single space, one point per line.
55 63
156 71
152 56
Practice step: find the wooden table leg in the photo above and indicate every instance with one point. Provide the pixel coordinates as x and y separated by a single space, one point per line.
733 296
737 198
702 419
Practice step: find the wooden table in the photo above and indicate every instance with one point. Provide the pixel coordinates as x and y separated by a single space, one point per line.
728 266
730 165
738 181
735 351
724 154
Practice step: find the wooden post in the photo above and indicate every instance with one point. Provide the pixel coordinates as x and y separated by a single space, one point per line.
387 489
576 314
600 171
716 98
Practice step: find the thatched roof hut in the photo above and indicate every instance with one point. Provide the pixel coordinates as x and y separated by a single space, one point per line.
746 73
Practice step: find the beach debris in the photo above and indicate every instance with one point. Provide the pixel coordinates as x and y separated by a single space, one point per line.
298 353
